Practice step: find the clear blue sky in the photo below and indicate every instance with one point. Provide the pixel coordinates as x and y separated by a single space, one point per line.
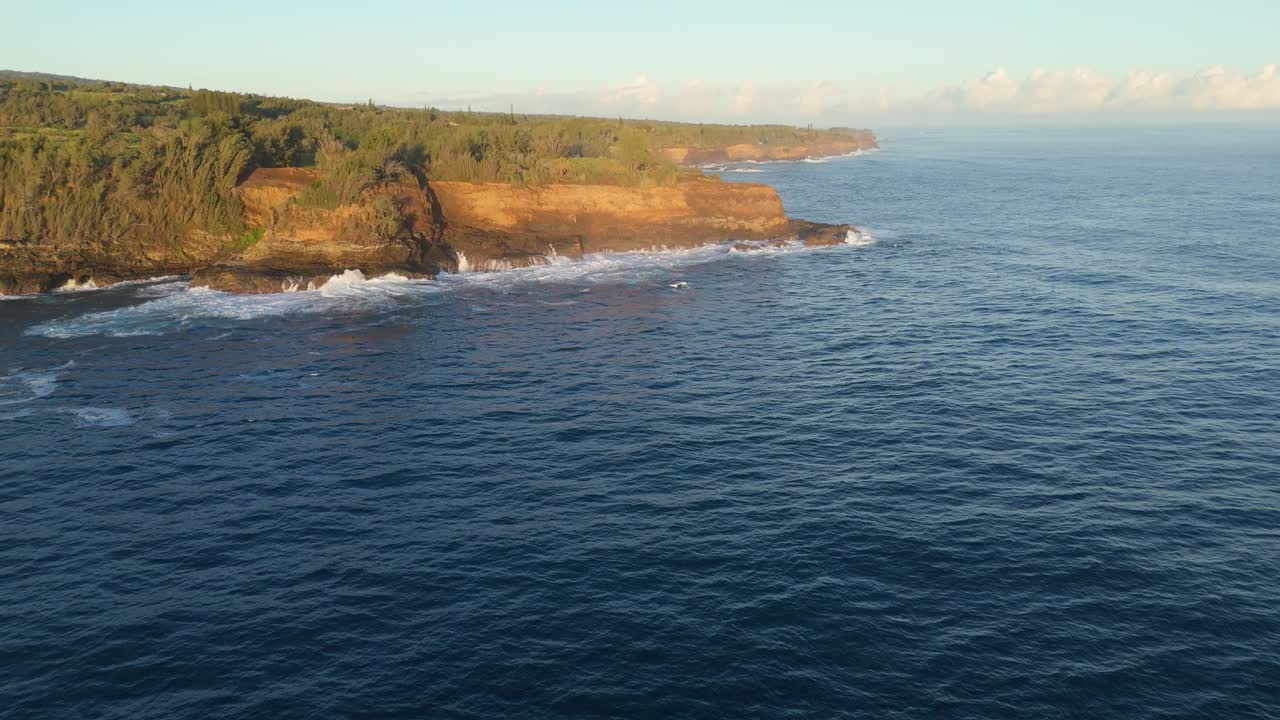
389 49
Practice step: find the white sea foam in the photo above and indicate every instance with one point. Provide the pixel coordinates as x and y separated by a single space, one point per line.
878 233
823 159
754 166
74 285
354 284
102 417
177 307
859 237
24 386
465 265
595 268
740 165
148 281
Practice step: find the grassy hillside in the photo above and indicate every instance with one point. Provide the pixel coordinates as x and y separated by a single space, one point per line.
111 161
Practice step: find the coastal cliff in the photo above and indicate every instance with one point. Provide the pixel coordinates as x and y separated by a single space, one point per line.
497 224
458 226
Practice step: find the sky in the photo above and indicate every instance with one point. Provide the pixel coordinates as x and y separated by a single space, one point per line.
820 61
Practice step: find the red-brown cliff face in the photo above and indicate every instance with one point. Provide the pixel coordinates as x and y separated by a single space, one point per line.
452 226
496 225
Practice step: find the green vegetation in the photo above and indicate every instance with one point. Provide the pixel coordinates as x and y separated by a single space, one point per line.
108 162
247 240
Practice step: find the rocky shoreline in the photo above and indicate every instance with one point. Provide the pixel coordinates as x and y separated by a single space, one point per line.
420 229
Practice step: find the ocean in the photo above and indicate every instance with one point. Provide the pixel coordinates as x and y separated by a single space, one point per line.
1015 453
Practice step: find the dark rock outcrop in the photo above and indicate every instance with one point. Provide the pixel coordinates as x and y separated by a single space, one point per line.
819 234
35 267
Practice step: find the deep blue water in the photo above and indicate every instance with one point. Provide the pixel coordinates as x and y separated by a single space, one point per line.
1018 458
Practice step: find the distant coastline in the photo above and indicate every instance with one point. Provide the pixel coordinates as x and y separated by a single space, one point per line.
824 147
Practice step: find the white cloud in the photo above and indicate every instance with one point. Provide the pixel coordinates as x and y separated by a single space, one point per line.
1079 90
1141 89
1216 88
696 100
1083 90
992 92
642 92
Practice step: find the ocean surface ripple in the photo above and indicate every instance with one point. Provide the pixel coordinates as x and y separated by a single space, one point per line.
1016 458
